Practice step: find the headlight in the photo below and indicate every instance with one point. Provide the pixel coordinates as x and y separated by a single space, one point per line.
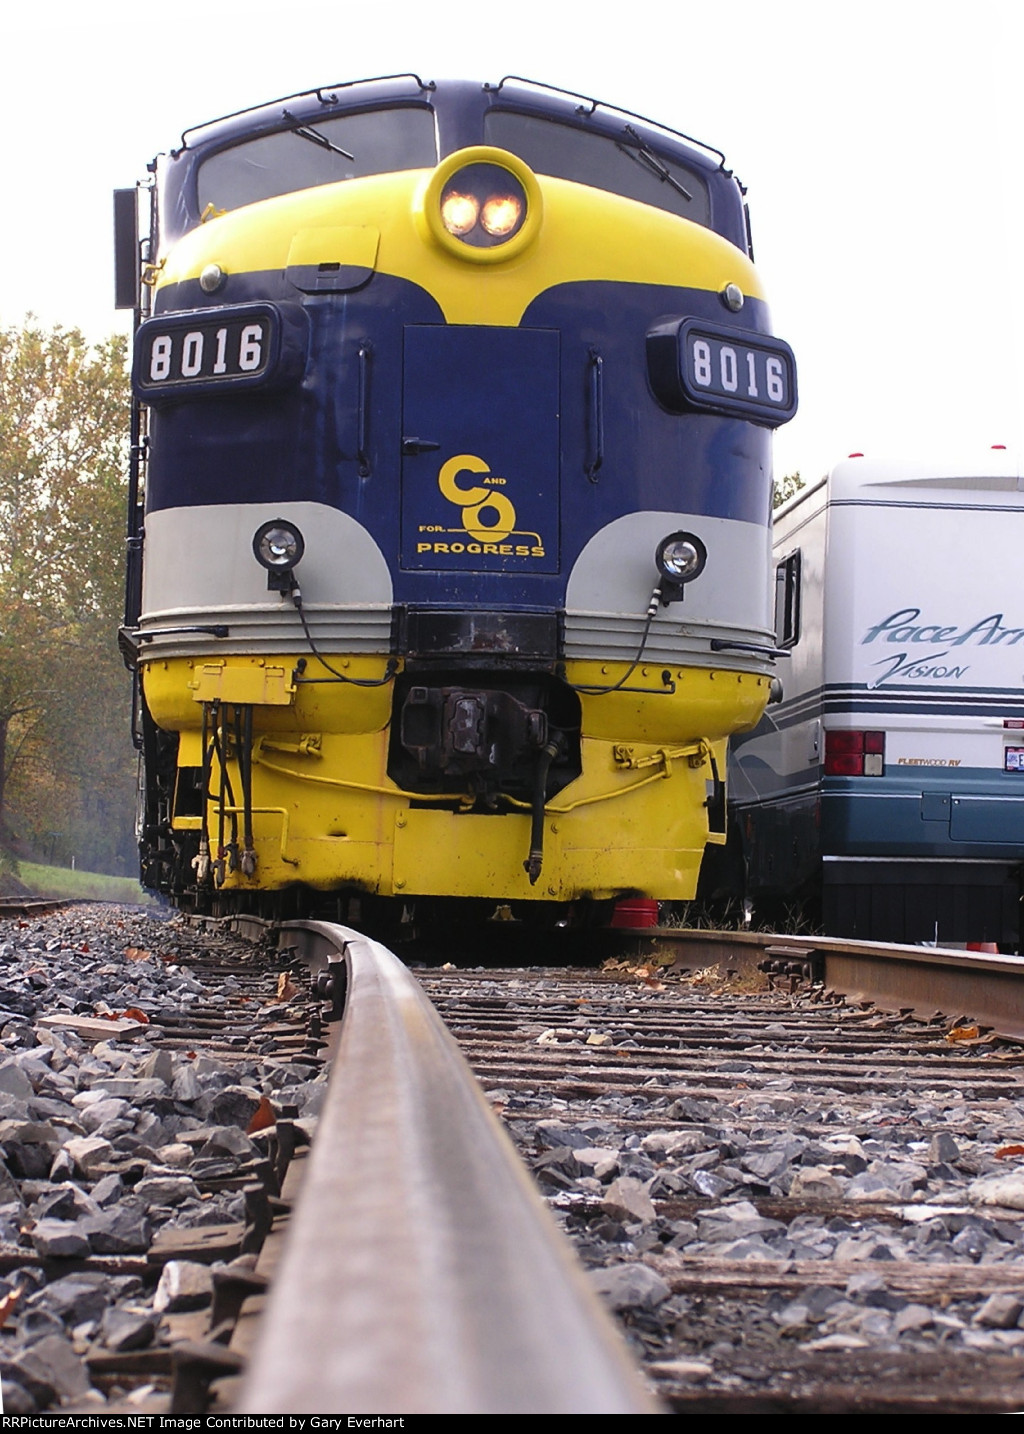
481 204
502 215
459 212
679 559
278 546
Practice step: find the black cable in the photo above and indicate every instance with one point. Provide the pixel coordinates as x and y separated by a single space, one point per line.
206 794
652 609
243 748
532 864
389 673
226 789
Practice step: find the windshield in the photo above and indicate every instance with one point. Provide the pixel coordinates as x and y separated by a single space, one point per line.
627 166
315 152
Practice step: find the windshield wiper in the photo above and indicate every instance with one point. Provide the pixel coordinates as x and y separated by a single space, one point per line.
306 131
647 159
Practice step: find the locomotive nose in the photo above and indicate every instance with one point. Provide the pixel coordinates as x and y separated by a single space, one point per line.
480 204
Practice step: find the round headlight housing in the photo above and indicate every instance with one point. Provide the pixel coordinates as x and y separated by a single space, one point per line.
481 203
278 546
681 557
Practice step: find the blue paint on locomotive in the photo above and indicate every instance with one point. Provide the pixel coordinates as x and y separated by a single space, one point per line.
466 391
303 441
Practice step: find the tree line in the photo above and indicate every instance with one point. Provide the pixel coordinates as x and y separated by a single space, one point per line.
66 761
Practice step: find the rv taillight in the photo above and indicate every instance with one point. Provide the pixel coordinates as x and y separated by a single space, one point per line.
854 754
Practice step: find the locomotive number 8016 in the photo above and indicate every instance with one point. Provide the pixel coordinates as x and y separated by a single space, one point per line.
449 529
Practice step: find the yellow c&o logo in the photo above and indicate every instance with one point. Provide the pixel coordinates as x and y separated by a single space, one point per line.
473 500
485 538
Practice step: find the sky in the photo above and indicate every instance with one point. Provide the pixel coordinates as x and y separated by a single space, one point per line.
882 145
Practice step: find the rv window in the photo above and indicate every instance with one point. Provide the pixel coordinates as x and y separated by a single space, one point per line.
787 601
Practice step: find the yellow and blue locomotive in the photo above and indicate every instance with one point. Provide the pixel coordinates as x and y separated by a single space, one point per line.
449 541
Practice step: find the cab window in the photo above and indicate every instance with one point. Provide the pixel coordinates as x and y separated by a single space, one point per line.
626 166
320 151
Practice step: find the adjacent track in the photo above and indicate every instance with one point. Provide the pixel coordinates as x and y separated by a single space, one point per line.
987 987
36 905
766 1098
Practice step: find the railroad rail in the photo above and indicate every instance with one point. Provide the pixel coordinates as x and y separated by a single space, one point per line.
422 1273
11 906
409 1283
987 987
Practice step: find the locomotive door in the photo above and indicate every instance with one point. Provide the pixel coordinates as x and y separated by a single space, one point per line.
480 449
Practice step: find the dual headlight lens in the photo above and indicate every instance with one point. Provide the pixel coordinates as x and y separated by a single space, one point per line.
483 205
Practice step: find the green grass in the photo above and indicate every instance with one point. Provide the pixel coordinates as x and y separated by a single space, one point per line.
59 882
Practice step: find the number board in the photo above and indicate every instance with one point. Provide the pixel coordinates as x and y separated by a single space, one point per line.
186 355
737 371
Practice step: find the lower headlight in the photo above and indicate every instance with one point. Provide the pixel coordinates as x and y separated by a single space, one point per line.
278 546
681 557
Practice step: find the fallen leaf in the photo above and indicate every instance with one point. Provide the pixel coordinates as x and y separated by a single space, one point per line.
1006 1150
131 1014
963 1033
286 989
8 1303
263 1117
